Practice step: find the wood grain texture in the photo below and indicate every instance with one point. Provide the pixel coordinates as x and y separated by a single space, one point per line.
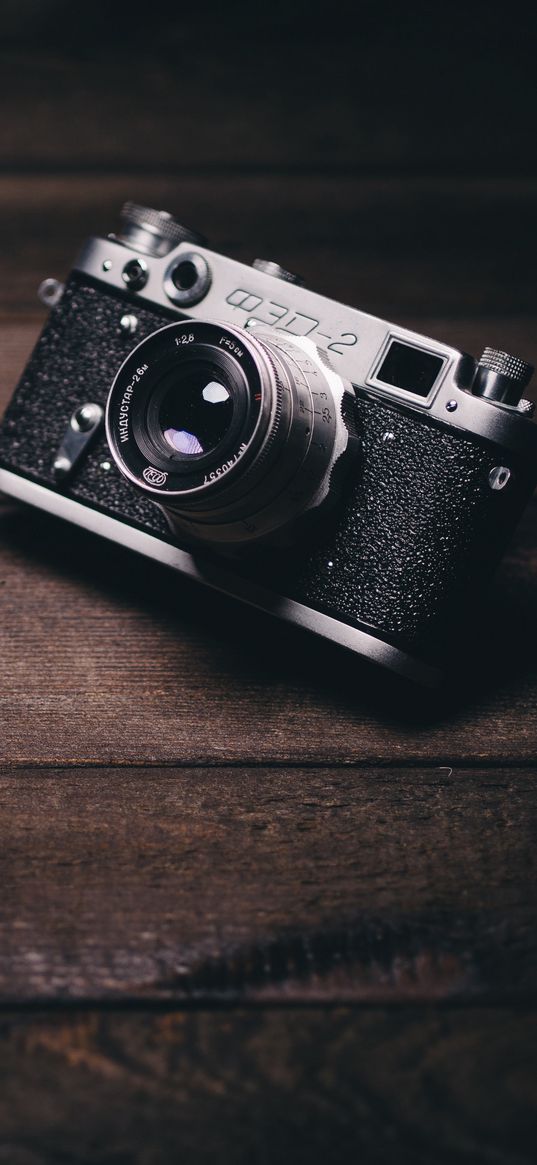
268 885
259 1088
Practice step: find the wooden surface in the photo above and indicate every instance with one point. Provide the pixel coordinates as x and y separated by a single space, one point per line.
267 884
268 1085
255 905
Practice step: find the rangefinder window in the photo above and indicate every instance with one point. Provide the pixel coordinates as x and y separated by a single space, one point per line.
410 369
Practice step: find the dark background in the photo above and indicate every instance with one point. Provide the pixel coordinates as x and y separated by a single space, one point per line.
384 151
256 908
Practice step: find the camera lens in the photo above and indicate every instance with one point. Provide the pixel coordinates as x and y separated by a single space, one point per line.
191 409
196 409
234 435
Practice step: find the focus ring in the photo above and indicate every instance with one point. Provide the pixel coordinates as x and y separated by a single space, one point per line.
276 419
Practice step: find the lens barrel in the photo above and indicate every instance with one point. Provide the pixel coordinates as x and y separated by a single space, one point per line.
235 435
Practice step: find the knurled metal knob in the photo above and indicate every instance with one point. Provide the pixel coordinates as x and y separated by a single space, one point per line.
501 377
271 268
505 365
155 232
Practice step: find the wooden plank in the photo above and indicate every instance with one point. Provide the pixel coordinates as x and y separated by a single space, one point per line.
262 1088
283 885
396 247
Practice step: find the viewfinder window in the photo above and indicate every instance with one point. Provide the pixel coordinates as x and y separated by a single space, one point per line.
409 368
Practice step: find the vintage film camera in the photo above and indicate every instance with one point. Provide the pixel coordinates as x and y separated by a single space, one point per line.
346 474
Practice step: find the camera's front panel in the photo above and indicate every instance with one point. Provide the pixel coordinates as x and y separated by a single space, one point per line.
415 527
82 344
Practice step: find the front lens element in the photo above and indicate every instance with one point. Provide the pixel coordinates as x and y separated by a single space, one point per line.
196 410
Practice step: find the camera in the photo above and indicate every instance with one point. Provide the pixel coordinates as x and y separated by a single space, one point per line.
343 473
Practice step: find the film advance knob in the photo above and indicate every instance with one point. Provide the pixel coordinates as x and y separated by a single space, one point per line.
155 232
501 377
271 268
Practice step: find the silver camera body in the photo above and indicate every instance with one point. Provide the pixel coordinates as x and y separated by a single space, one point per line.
375 481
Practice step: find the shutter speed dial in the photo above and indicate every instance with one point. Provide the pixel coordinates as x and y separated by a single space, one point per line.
154 232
